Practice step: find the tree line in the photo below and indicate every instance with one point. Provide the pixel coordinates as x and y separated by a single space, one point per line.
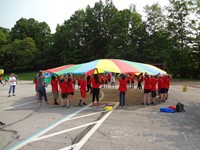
169 35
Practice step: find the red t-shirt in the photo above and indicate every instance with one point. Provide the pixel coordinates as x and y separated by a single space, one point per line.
132 79
70 87
106 79
147 84
94 85
160 83
102 78
140 79
82 84
54 85
36 83
153 84
168 82
109 76
123 84
164 82
63 87
74 79
89 81
79 81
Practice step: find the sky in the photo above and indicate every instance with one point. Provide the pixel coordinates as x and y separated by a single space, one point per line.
54 12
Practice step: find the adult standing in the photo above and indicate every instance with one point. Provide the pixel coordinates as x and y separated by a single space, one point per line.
41 87
95 87
122 89
13 82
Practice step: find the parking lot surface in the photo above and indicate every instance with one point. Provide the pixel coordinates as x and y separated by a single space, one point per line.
29 126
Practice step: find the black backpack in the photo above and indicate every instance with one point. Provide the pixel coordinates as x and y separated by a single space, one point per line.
180 107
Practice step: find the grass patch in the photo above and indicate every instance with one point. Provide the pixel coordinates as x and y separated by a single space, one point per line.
26 75
185 79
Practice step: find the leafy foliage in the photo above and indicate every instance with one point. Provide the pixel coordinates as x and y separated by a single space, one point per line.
166 35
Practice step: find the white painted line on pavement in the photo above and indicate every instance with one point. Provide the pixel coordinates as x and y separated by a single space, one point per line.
64 131
17 105
89 134
41 132
21 104
71 129
86 115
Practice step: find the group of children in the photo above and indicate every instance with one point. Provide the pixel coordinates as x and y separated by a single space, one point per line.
92 83
66 85
154 83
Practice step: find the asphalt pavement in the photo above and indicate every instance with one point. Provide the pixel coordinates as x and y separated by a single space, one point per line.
29 126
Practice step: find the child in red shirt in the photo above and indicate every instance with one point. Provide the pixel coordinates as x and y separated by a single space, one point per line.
82 82
95 87
89 87
162 87
106 81
63 88
140 80
74 81
70 89
54 85
147 89
122 89
153 82
132 80
78 82
102 80
109 77
36 88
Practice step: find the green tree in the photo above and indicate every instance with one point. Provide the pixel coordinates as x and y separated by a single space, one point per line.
159 44
20 55
126 28
178 27
4 36
195 35
40 32
85 34
139 36
4 41
97 30
68 41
